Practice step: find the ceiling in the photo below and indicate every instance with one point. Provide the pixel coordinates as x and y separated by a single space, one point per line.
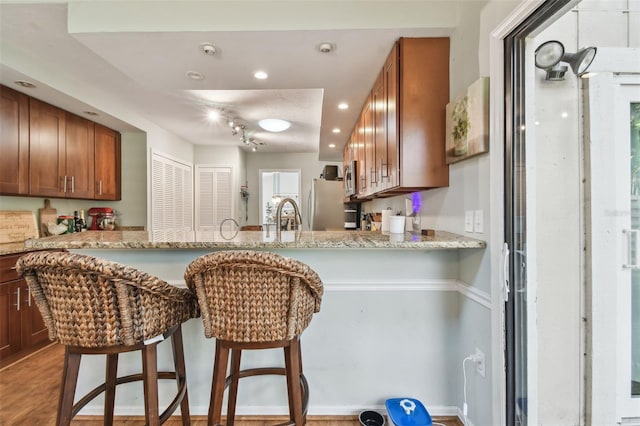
135 56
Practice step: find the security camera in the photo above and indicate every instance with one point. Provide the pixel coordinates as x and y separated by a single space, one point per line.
209 49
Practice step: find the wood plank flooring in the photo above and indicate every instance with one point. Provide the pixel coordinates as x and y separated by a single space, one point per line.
29 396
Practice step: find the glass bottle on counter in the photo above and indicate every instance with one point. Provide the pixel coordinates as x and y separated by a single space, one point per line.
80 224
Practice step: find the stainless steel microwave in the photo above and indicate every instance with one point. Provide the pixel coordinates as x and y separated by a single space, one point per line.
351 179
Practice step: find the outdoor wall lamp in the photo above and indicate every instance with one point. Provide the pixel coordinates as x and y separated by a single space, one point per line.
550 54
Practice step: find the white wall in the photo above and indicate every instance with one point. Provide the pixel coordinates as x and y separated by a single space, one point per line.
307 162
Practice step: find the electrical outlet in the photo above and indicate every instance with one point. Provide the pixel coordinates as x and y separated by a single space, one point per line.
468 221
478 222
480 362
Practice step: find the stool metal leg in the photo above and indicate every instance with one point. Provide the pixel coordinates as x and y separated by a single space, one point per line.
68 387
220 364
294 390
110 387
150 373
233 386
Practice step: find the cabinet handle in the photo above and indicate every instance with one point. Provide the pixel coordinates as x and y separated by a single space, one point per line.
73 184
374 176
29 296
384 170
100 186
65 184
17 293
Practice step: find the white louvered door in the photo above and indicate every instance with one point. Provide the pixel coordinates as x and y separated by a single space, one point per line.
171 199
214 201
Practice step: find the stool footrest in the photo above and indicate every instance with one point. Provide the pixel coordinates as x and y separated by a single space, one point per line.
162 375
281 371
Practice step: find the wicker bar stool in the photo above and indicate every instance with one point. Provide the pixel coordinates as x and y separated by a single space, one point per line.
94 306
255 300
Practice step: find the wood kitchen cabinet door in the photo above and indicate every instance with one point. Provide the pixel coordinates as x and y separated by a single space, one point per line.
14 142
369 148
379 171
107 183
391 84
362 158
10 327
79 154
422 100
47 127
34 331
22 329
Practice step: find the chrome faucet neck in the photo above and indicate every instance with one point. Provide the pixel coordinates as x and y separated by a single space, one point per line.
296 213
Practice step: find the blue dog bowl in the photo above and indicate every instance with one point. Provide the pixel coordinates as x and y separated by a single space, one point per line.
408 412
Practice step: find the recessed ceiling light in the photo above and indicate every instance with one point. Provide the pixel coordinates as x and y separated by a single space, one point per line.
336 130
195 75
274 124
92 113
260 75
24 83
325 47
343 105
208 48
332 145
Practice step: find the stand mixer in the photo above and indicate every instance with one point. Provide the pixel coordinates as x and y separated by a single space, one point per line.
102 219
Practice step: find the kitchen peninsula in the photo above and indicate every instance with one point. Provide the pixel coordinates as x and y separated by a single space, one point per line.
388 324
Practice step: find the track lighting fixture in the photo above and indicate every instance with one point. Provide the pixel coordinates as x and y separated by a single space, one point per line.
240 130
237 128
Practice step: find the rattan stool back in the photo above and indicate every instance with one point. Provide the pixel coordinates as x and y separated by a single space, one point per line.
94 306
255 300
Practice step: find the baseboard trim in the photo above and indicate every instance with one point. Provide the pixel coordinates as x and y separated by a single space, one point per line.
261 419
271 411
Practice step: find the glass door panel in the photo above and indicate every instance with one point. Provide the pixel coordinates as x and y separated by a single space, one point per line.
614 133
634 136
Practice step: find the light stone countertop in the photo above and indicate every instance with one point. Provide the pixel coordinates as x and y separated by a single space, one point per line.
255 240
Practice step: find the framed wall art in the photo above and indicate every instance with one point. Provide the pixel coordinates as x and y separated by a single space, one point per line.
467 123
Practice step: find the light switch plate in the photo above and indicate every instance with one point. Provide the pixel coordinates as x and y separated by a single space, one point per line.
478 221
468 221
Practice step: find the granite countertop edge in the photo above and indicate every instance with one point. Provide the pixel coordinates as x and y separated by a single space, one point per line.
257 240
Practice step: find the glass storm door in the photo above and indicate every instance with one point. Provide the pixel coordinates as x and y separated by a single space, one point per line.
614 157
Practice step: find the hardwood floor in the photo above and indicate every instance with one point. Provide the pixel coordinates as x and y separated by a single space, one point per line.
29 396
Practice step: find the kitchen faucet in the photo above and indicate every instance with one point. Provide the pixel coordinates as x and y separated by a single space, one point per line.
296 213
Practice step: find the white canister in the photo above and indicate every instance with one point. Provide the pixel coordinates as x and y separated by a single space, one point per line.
396 224
386 214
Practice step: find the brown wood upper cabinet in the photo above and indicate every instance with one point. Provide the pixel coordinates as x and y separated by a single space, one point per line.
403 121
14 142
107 164
60 153
49 152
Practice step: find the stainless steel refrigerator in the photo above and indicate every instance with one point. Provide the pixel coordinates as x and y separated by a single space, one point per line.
325 205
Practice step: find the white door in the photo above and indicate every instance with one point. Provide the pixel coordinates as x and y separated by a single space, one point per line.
214 199
613 130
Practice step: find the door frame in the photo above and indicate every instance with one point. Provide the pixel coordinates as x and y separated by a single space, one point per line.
530 16
604 235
